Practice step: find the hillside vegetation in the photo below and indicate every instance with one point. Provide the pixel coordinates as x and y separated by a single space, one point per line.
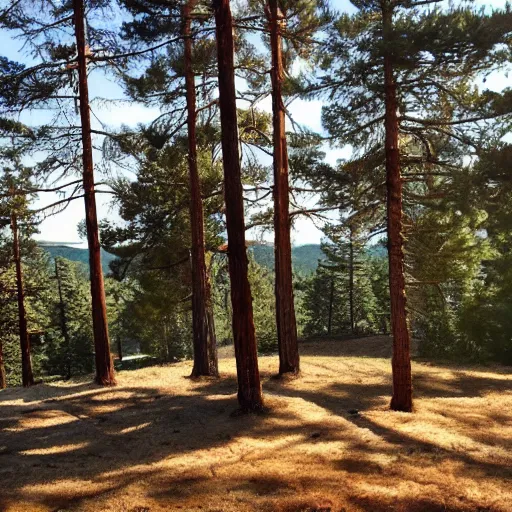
161 441
77 254
305 257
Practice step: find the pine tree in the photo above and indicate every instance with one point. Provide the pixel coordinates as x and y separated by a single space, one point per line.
249 386
44 85
70 346
205 343
24 277
3 377
483 319
324 313
385 43
63 318
15 179
104 364
26 362
290 24
153 244
402 379
346 253
285 307
185 53
341 297
37 297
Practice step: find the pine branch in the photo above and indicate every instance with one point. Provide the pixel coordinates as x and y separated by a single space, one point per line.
313 211
433 122
37 190
57 203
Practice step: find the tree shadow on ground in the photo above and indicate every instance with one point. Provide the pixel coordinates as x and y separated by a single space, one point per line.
113 438
350 401
381 346
376 504
104 436
459 383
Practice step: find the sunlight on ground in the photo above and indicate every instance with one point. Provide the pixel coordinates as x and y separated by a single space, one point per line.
161 441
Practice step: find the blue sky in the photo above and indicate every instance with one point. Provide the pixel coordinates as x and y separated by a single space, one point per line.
63 227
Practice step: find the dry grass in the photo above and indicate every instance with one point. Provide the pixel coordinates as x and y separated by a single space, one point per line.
160 441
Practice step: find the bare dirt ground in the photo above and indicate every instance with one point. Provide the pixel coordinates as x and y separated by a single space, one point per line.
161 441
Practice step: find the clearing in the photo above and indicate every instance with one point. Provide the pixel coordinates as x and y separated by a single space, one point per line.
160 441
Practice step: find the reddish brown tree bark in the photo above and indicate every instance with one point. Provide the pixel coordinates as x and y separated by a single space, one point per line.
205 343
104 365
285 308
401 363
3 378
27 376
331 308
351 280
249 387
119 348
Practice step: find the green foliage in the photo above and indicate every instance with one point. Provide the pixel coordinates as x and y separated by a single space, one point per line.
326 301
16 181
304 257
262 288
39 295
71 319
152 245
77 254
264 307
485 320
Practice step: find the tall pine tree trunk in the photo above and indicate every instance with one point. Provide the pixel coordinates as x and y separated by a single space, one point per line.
249 386
331 307
104 365
401 363
63 320
351 280
27 376
285 308
3 378
205 343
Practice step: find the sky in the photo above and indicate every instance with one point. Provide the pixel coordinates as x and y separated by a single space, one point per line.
63 227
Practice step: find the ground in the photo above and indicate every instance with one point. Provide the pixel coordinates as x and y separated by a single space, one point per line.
161 441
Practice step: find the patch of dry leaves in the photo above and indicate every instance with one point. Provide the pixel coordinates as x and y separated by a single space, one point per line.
160 441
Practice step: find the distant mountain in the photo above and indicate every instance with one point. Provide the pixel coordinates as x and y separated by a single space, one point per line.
378 251
304 257
76 254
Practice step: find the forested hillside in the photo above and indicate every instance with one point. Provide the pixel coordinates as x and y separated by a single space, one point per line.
305 258
77 254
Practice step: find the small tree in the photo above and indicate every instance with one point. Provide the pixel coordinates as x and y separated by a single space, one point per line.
16 180
23 268
70 340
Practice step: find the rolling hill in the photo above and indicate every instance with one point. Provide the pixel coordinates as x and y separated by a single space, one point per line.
304 257
77 254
